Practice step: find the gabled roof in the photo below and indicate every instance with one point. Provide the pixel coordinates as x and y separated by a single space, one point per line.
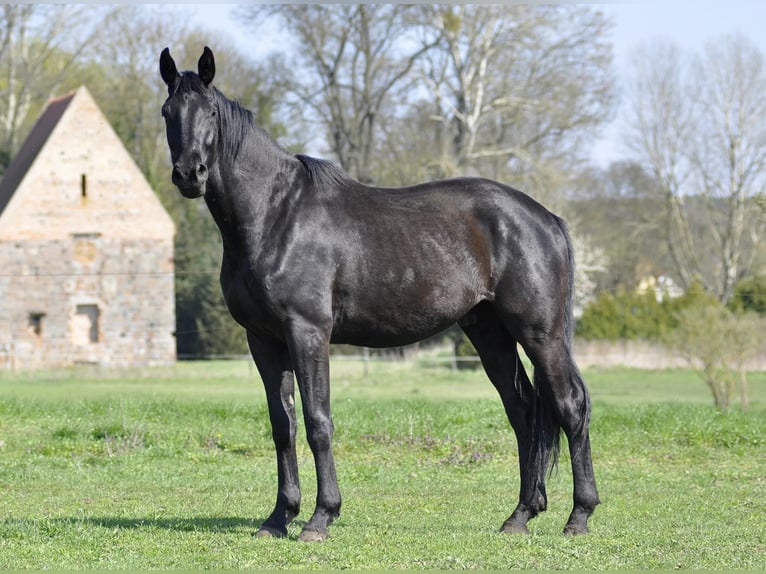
73 175
35 141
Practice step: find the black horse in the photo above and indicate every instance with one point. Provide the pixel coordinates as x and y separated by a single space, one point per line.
312 257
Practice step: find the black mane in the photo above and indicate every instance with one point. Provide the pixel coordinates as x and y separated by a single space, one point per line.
239 123
323 172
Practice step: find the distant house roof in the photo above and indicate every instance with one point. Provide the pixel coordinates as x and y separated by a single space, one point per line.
35 141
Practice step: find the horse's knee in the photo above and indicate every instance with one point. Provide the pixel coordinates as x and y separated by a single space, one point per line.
283 436
319 431
289 498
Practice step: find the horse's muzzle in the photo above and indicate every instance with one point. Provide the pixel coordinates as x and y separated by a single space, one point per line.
190 182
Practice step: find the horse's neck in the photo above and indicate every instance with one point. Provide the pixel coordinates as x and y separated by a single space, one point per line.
244 188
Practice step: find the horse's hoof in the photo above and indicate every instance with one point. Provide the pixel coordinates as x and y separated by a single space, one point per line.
266 532
575 530
312 536
514 528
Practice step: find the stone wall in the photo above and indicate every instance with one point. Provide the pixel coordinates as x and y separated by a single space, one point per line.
87 299
637 354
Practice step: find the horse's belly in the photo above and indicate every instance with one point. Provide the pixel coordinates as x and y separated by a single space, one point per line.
391 316
386 333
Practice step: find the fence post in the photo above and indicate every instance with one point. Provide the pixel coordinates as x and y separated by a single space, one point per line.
365 361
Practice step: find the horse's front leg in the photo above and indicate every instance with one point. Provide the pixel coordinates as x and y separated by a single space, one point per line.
273 362
309 346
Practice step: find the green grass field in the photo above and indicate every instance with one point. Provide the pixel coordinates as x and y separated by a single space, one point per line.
172 468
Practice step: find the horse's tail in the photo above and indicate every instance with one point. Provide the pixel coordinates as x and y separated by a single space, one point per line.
546 435
546 428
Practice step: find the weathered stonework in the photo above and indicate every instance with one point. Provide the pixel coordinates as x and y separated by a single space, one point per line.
86 249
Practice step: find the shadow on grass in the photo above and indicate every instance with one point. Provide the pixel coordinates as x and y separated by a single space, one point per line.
221 524
191 524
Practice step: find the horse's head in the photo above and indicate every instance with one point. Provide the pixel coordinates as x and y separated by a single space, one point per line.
190 121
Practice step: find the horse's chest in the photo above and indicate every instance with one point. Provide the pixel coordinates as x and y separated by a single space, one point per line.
248 302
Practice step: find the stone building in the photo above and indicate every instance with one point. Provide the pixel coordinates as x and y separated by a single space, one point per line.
86 249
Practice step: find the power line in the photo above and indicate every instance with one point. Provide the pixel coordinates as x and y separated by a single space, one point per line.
106 274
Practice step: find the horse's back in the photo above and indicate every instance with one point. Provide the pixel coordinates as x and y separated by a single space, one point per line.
498 222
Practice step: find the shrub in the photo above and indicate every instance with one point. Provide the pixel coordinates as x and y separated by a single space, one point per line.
633 315
750 295
624 315
716 343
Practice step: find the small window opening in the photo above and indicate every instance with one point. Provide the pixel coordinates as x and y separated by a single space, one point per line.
35 323
86 323
84 188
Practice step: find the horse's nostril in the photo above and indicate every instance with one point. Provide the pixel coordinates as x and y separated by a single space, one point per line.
201 171
177 174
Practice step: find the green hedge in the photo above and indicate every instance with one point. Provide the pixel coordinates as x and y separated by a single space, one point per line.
631 315
750 295
624 314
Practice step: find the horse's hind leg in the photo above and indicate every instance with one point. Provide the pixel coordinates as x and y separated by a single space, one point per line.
561 386
499 356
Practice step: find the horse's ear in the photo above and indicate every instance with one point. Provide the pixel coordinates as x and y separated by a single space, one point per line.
168 69
206 66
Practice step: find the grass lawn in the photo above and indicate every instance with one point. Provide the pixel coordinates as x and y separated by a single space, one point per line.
173 468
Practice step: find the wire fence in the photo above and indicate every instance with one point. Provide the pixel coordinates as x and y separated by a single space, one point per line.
223 366
363 358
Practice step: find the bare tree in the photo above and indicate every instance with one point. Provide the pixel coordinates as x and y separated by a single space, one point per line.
730 160
40 46
617 210
355 59
660 126
515 84
695 123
